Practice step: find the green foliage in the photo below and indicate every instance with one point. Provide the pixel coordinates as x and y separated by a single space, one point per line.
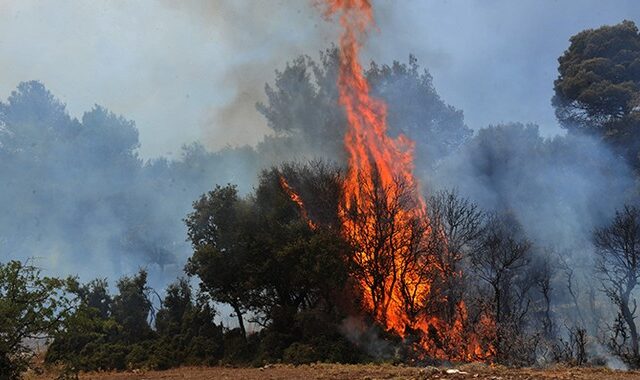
31 307
416 110
131 307
221 258
260 253
237 348
598 89
265 254
105 332
300 353
188 334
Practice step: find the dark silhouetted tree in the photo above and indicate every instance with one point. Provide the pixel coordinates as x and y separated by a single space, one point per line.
618 266
302 107
132 307
222 259
458 225
598 89
500 259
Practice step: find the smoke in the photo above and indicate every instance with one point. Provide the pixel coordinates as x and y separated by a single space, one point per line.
559 188
181 62
494 59
254 39
77 196
367 337
77 199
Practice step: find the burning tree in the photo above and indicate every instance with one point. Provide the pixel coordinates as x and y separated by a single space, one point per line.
461 223
383 215
500 259
391 262
262 255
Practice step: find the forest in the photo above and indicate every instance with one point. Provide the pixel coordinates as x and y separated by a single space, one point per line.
519 249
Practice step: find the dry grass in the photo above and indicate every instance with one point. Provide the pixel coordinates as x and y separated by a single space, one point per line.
359 372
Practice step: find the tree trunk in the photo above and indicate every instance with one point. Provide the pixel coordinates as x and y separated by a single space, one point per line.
236 309
498 306
633 330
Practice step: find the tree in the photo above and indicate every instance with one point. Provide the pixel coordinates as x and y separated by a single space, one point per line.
81 341
458 223
186 329
262 253
416 110
618 267
391 261
301 109
95 295
177 302
79 183
300 262
31 307
217 231
132 306
500 259
598 88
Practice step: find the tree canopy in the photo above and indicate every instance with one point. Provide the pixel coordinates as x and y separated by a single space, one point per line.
31 307
598 87
302 105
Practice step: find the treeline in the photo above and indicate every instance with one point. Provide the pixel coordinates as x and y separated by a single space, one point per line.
291 270
124 331
260 257
77 186
77 190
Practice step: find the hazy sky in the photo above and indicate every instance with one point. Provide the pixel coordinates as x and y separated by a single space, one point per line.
192 70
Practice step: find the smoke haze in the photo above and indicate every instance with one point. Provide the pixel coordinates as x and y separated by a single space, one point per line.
173 66
85 191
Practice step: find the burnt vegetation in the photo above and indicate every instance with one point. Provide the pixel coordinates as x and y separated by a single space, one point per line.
273 274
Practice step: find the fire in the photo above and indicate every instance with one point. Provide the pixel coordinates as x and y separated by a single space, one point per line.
384 215
376 161
297 199
380 178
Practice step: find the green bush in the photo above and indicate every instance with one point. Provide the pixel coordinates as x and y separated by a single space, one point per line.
236 348
139 356
301 353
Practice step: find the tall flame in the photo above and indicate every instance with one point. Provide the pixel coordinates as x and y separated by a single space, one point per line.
368 146
385 217
382 166
375 161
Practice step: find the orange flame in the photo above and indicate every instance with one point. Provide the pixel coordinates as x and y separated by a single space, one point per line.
378 161
295 197
375 159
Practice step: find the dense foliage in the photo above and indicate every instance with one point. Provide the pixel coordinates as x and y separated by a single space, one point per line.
260 255
32 308
598 89
106 332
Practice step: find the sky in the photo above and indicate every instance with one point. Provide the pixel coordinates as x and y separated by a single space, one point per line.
193 70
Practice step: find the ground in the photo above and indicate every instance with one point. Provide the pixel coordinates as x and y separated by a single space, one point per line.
359 372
